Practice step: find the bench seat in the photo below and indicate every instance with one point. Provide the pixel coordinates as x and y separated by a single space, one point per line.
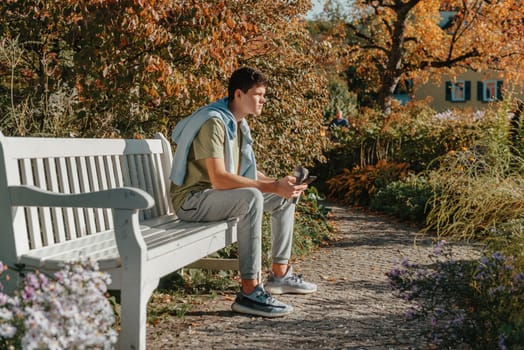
167 237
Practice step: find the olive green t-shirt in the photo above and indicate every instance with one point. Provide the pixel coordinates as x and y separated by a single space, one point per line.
208 143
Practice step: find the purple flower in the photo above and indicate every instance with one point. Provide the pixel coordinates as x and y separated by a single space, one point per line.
502 342
28 293
405 263
394 272
31 280
437 250
519 277
498 256
459 318
3 299
481 275
484 260
410 314
44 281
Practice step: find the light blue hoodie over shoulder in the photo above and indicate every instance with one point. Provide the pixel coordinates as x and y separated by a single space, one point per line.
186 130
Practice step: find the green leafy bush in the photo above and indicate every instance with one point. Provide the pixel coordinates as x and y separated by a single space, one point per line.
414 134
405 199
311 225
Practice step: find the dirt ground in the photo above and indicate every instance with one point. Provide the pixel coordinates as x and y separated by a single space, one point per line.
353 308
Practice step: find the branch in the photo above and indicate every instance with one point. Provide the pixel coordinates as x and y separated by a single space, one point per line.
358 33
450 62
388 27
376 47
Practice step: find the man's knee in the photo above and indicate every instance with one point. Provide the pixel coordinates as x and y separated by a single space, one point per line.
252 198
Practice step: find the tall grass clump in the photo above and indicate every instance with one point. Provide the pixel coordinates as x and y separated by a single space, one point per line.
481 189
481 193
49 108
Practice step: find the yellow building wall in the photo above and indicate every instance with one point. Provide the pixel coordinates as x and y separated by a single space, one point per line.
437 93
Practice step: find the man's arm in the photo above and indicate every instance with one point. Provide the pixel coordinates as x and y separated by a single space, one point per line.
221 179
264 178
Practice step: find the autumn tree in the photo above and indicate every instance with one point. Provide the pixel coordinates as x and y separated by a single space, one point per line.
390 40
137 67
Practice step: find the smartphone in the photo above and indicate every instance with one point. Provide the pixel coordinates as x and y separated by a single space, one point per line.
309 180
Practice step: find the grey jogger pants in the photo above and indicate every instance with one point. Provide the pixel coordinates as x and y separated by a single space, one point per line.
248 204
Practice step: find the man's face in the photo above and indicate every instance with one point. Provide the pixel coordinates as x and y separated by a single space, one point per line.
252 101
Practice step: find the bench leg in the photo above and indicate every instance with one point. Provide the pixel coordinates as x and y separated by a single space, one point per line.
134 316
137 287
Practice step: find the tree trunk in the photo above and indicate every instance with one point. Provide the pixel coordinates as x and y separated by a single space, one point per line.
393 71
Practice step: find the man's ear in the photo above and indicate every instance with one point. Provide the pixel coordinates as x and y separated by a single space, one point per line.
238 93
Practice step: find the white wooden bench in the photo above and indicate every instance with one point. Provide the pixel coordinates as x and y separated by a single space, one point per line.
62 199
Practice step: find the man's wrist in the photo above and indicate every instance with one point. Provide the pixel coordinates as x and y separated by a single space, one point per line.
275 186
270 186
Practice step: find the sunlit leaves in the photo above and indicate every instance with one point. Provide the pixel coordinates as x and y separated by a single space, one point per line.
139 66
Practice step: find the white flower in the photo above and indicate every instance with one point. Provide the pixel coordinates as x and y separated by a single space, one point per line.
7 330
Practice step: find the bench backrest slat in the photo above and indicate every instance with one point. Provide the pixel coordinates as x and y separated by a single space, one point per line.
56 213
64 187
40 179
80 228
157 182
76 166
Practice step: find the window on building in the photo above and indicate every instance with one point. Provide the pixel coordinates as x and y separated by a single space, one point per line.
458 91
489 90
404 91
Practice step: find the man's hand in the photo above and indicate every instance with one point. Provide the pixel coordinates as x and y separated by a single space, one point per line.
286 187
222 180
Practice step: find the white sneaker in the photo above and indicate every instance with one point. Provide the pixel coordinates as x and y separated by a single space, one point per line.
289 283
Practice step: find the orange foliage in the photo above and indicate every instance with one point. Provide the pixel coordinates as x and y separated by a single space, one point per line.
139 66
357 186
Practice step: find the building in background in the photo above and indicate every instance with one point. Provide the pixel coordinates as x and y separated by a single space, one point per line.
471 90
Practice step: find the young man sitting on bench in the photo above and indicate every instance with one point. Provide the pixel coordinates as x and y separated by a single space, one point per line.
215 177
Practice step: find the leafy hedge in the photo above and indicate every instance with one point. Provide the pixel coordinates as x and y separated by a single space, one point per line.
133 68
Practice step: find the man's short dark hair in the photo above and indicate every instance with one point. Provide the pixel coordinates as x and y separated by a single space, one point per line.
244 79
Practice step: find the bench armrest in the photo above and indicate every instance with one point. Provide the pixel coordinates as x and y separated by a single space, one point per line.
117 198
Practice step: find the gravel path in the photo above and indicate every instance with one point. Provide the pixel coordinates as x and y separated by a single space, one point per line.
353 308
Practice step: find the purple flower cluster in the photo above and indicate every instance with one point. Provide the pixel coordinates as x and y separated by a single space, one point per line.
464 302
69 311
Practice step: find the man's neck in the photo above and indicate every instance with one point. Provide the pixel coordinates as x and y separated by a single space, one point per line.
238 115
